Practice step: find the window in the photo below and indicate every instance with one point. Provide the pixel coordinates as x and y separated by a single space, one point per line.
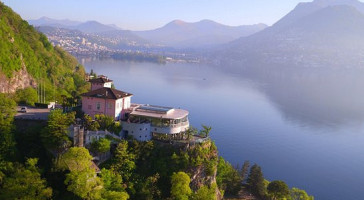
109 105
89 107
98 105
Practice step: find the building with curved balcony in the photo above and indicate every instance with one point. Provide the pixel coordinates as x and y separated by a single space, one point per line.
146 122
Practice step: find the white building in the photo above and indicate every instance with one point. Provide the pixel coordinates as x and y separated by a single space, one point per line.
145 122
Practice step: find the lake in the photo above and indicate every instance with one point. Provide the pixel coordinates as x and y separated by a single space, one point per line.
303 126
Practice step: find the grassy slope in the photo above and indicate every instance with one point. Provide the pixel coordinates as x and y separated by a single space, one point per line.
51 65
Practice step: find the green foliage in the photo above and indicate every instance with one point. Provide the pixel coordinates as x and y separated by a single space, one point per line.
298 194
82 179
90 124
56 133
149 190
228 178
7 112
205 131
75 159
26 96
85 184
101 146
278 190
112 181
205 193
256 181
25 183
180 186
22 45
124 161
113 195
245 170
105 122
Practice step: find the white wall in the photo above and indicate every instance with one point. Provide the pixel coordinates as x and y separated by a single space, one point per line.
108 85
127 101
141 132
118 108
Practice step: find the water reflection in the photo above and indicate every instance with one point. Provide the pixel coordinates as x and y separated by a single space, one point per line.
304 126
318 98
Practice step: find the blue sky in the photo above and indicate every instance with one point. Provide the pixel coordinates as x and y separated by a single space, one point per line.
150 14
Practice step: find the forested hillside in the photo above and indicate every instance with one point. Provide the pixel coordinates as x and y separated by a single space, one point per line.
28 59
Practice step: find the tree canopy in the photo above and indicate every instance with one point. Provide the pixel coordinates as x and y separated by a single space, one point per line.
278 190
256 181
56 133
298 194
180 186
7 112
101 146
25 183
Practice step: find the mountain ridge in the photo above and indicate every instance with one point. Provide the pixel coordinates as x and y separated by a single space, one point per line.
327 37
180 34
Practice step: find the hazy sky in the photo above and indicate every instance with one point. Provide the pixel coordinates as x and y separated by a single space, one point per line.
150 14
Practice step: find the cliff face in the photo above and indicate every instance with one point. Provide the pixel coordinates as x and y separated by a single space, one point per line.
19 80
205 174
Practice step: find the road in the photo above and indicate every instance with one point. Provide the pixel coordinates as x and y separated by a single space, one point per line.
32 113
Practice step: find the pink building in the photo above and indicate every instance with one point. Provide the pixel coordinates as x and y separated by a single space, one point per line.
100 82
102 99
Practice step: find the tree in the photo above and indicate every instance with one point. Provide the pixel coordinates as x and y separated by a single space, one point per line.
105 122
112 195
206 130
82 179
113 186
124 161
90 124
26 96
112 181
205 193
190 132
102 145
278 190
76 159
228 178
25 183
245 170
7 112
84 184
298 194
148 189
256 181
56 133
180 186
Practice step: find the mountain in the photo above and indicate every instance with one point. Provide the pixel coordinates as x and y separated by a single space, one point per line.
76 42
323 33
94 27
87 27
204 33
304 9
46 21
27 59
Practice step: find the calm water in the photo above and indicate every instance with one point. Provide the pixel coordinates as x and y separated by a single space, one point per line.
305 127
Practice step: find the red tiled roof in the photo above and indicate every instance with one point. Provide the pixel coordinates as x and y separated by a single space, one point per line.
100 80
107 93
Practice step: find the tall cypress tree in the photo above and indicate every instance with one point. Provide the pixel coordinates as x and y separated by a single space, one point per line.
256 181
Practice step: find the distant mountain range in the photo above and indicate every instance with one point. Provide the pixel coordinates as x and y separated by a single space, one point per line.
322 33
86 27
205 33
176 34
